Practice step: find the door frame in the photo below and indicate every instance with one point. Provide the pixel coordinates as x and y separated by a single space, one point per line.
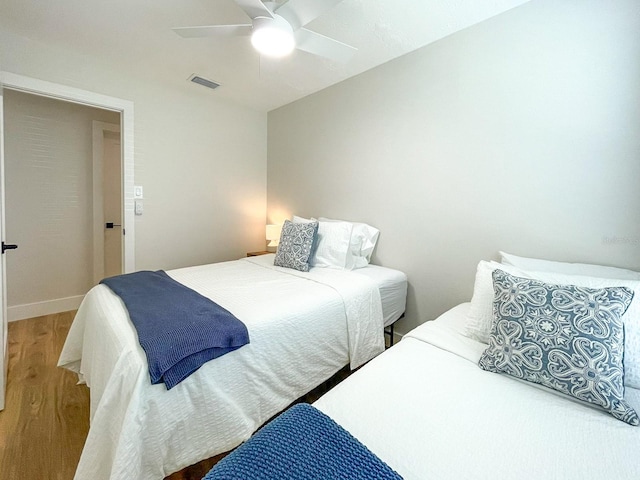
99 129
44 88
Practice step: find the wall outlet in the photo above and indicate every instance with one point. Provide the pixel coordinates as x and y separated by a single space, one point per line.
139 208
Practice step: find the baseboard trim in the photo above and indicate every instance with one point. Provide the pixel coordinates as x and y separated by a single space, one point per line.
38 309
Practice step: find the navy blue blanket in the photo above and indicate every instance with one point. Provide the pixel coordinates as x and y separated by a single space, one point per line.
302 443
178 328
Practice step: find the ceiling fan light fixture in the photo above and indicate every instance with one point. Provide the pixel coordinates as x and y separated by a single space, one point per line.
272 37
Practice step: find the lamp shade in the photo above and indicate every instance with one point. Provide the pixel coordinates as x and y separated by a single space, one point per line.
272 37
273 235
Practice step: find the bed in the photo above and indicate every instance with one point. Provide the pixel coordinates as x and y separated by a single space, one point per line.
426 409
303 326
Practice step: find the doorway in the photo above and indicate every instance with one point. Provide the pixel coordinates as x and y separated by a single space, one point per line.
48 201
11 81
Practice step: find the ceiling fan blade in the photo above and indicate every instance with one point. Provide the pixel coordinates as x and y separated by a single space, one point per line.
213 31
254 8
318 44
300 12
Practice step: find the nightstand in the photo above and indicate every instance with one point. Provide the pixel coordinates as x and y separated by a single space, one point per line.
255 254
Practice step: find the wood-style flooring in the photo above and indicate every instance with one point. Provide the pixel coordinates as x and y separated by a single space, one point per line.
46 417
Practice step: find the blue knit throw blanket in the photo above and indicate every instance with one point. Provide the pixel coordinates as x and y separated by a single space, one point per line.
302 444
178 328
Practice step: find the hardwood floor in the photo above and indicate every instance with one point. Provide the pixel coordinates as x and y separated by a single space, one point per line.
46 417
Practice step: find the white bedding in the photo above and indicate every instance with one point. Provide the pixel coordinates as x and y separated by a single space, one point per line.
428 411
393 290
303 328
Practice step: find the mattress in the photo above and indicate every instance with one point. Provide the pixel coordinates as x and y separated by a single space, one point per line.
427 410
303 327
392 285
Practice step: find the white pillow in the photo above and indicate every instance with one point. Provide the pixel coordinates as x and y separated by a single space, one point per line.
368 236
589 270
330 242
332 245
361 245
296 219
480 316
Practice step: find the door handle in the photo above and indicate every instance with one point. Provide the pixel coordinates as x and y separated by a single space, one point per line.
8 246
111 225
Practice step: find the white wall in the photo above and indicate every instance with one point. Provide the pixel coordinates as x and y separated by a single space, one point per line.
521 134
49 199
200 160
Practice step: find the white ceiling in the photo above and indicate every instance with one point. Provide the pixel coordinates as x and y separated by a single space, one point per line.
135 35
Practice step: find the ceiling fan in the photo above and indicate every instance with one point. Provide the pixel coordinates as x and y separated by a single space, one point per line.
277 29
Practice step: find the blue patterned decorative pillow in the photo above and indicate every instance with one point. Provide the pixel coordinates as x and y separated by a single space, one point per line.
295 245
567 338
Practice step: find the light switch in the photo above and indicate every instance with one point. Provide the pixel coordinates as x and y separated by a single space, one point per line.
137 192
139 207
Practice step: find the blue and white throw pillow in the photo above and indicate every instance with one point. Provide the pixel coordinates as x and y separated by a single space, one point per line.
295 245
567 338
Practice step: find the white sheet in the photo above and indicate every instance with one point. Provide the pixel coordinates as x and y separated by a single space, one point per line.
303 328
392 285
428 410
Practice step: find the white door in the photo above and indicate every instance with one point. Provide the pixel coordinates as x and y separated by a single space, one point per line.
108 224
4 362
112 203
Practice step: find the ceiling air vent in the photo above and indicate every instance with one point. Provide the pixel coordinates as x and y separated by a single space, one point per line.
204 82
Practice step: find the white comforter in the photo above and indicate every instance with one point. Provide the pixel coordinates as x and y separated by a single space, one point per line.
303 328
428 411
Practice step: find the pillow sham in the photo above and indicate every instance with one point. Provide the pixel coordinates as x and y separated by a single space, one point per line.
568 268
567 338
361 244
330 249
332 246
480 316
296 219
295 245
